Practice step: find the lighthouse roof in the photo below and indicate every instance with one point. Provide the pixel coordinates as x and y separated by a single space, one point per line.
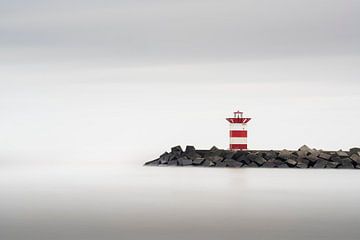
238 118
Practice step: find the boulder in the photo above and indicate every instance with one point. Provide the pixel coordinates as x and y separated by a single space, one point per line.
284 165
184 161
260 160
243 159
270 155
177 149
229 154
324 156
155 162
232 163
330 164
277 161
284 154
220 164
355 158
252 157
304 148
252 164
240 154
321 163
269 165
206 163
189 149
312 157
173 162
214 158
198 161
165 157
192 155
335 158
346 163
214 148
291 162
341 153
302 163
355 150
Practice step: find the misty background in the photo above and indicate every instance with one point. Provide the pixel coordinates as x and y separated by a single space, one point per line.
97 80
90 90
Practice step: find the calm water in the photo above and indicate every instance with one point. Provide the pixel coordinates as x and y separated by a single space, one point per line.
77 202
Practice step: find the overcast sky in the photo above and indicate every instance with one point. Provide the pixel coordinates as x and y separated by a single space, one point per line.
77 76
176 31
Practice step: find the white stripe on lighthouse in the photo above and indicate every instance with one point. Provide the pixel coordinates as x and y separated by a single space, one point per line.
238 140
237 126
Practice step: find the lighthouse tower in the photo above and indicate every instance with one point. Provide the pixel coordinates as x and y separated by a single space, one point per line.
238 131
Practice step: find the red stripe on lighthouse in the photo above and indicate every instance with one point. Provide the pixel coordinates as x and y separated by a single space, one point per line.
238 133
238 146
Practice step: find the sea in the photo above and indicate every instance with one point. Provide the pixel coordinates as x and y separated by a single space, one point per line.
133 202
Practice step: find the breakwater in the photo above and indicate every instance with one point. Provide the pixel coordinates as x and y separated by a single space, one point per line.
304 157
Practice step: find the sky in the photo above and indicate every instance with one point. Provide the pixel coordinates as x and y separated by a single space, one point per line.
108 80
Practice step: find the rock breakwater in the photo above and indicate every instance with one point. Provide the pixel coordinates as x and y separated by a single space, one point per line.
304 157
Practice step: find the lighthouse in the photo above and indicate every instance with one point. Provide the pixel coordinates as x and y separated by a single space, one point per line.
238 131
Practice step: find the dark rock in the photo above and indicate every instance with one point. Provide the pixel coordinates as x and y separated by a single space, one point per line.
284 154
283 166
198 161
229 154
324 156
304 148
189 149
214 158
243 159
270 155
302 163
341 153
192 155
177 149
268 165
291 162
331 164
320 164
355 150
252 156
206 163
355 158
335 158
312 157
346 163
260 160
232 163
165 157
239 154
252 164
277 162
173 162
220 164
155 162
184 161
214 148
214 152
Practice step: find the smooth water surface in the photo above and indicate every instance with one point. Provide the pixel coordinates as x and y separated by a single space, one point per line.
130 201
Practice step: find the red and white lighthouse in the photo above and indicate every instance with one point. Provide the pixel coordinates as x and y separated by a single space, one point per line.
238 131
